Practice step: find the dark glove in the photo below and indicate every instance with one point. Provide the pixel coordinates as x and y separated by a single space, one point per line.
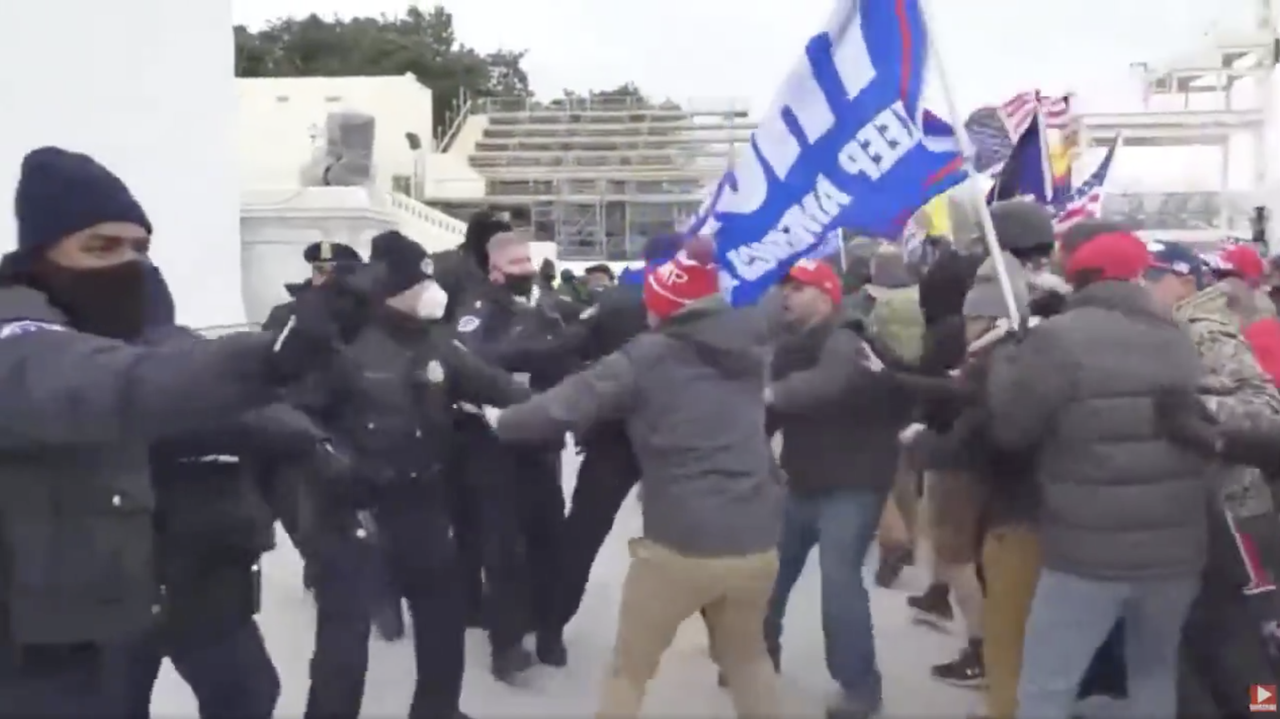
325 317
1048 304
1183 419
331 464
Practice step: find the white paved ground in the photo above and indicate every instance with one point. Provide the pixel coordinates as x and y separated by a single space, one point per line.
685 686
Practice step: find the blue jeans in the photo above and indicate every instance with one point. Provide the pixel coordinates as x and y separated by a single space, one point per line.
1071 617
842 524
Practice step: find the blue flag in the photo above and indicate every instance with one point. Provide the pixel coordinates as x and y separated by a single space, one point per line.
846 143
1024 173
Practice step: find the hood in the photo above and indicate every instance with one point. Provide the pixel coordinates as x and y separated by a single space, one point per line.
159 310
1127 298
1208 305
725 338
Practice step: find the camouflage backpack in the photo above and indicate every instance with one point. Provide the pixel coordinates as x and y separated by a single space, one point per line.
896 320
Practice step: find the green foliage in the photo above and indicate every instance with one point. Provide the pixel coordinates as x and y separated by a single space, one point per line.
418 42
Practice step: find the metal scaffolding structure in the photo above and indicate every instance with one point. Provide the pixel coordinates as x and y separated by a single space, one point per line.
599 175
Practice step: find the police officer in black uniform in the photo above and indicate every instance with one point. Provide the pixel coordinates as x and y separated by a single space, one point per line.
514 508
461 270
82 407
391 529
289 486
325 258
609 468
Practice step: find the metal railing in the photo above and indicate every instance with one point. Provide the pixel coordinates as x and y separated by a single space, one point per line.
445 142
611 103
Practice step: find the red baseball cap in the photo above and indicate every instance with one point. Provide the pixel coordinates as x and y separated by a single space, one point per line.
816 273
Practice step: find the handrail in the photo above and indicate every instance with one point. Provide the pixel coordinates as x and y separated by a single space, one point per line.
463 113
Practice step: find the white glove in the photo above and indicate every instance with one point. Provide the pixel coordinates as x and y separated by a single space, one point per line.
912 431
871 360
491 415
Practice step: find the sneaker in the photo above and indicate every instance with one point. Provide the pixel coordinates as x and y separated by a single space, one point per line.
846 706
966 670
933 608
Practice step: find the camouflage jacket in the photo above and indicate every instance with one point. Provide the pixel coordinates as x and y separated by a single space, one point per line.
1234 388
1247 305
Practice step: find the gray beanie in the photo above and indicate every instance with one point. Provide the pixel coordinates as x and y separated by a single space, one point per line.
985 299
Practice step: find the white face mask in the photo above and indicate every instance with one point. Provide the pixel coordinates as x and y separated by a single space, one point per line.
432 301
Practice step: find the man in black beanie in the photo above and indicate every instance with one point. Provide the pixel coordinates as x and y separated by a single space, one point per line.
391 404
82 406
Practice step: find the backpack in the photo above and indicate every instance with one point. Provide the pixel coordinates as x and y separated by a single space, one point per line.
896 320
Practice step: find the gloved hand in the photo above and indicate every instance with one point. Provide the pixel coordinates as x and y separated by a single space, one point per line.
1184 420
491 415
325 317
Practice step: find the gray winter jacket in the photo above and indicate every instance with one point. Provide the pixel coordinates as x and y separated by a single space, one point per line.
692 397
1118 502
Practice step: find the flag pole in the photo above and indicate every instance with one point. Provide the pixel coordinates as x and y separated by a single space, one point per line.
966 148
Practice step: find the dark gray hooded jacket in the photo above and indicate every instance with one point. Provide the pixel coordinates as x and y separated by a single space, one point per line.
692 397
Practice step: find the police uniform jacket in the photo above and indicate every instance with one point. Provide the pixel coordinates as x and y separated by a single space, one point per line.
212 519
529 338
76 501
389 403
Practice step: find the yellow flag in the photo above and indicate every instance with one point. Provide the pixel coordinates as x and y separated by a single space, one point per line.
937 217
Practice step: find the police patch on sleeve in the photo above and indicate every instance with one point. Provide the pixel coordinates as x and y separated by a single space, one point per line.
468 323
26 327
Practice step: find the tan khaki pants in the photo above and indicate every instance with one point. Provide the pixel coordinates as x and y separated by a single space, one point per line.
1011 562
662 589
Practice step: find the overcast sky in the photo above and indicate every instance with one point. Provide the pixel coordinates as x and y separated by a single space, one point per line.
701 48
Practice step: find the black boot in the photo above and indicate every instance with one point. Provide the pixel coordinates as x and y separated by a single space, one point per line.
509 664
933 608
388 621
966 670
551 649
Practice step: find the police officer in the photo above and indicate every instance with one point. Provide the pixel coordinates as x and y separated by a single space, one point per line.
514 507
212 525
609 468
325 259
460 270
391 529
289 486
81 408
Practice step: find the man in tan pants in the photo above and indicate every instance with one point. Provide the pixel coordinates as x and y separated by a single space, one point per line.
692 396
661 591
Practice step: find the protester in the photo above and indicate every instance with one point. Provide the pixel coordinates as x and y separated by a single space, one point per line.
1221 648
1123 522
691 394
839 423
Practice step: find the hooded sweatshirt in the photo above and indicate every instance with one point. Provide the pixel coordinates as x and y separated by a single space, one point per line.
691 395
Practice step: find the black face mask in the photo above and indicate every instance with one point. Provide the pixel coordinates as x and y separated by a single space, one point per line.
105 301
520 285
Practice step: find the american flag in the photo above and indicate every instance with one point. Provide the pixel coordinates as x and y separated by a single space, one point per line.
1085 203
995 129
1018 111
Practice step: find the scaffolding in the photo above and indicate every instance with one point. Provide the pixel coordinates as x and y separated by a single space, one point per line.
600 175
